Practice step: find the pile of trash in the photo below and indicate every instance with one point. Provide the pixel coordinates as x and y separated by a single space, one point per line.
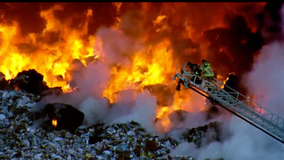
30 81
19 139
55 131
203 134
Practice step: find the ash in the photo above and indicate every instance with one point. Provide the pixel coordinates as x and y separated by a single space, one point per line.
19 139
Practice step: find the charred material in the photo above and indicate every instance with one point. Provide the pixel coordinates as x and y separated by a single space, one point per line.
203 134
30 81
63 115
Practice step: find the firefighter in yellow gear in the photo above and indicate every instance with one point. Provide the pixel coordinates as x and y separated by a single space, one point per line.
206 72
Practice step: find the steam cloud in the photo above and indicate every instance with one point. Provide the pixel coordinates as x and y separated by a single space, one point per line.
265 83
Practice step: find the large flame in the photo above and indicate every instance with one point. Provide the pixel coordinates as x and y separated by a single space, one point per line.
49 60
154 65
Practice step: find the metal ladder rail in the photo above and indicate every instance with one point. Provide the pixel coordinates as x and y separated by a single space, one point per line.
269 122
249 114
254 108
225 95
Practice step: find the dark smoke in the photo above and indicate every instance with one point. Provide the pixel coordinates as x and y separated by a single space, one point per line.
28 15
104 14
271 21
239 43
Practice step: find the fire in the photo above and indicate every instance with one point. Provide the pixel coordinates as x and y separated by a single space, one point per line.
153 65
54 122
49 60
182 101
224 82
162 115
149 67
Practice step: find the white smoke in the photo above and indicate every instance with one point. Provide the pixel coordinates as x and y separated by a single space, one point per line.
95 110
143 112
265 83
116 48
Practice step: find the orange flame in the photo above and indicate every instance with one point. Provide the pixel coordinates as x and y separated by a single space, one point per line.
154 65
54 122
49 60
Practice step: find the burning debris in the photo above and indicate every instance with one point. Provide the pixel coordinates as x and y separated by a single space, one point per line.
32 82
61 116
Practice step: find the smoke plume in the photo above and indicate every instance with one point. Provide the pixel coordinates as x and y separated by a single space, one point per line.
264 82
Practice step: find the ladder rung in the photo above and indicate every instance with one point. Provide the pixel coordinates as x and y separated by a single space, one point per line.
271 123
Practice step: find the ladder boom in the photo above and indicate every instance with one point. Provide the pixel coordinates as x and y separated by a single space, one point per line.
237 104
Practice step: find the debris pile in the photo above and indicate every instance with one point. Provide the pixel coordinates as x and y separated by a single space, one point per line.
61 116
30 81
203 134
20 138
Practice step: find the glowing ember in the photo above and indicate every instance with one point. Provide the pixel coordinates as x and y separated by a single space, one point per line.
54 122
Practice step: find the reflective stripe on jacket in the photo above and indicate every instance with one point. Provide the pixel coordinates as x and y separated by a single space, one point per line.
207 70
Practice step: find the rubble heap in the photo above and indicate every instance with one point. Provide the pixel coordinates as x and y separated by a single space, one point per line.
19 139
63 116
30 81
203 134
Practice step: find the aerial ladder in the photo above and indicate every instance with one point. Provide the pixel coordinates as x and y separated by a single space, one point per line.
234 102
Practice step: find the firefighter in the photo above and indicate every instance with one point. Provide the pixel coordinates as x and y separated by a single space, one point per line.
195 69
180 82
206 72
